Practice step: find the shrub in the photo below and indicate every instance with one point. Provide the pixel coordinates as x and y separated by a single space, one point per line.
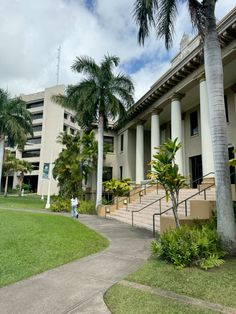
60 204
184 247
87 207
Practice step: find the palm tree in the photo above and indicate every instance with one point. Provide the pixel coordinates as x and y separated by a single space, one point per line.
10 166
23 167
15 123
99 97
161 15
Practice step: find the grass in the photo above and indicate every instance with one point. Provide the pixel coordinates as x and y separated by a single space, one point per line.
31 243
22 202
123 300
217 285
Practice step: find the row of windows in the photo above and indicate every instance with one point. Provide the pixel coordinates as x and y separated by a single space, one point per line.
38 115
34 140
68 129
66 116
35 104
31 153
37 127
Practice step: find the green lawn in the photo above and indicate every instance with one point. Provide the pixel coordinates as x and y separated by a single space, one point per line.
22 202
217 285
31 243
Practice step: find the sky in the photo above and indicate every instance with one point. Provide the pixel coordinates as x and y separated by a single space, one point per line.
31 33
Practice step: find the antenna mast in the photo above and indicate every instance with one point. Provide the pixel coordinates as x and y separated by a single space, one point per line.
58 63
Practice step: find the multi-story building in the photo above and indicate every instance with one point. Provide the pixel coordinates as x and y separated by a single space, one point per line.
49 120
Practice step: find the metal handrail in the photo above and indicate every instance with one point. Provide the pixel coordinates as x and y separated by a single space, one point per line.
200 178
184 201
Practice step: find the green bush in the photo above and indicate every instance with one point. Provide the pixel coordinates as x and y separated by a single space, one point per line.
184 247
87 207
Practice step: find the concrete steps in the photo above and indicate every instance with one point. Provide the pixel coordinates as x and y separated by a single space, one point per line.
144 218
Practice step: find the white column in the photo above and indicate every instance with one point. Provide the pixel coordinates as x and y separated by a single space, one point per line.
176 129
155 132
139 153
207 152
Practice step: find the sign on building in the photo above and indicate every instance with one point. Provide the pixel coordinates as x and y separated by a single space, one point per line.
46 170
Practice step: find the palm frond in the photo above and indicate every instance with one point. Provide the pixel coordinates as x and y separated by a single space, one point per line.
86 66
198 15
144 14
165 25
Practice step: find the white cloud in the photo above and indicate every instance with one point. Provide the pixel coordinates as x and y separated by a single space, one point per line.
31 32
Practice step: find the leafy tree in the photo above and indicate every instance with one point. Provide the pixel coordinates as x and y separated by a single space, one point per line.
15 123
79 153
101 96
161 15
23 167
10 165
166 172
117 187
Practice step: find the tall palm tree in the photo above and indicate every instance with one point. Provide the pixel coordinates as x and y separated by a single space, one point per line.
15 123
101 96
10 165
161 15
23 167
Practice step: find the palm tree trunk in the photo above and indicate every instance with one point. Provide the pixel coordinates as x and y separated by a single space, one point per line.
100 160
6 185
1 157
214 77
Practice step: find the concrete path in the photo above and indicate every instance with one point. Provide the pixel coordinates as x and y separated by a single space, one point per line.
78 287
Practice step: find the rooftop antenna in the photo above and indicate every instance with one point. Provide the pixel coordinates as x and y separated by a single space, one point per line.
58 62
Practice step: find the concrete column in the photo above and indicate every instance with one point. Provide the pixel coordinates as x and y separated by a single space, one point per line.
176 129
155 132
139 152
207 152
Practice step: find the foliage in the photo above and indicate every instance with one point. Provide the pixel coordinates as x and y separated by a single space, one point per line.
117 187
60 204
166 173
26 187
87 207
184 247
75 162
232 162
99 97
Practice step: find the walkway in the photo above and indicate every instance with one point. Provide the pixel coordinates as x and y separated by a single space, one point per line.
78 287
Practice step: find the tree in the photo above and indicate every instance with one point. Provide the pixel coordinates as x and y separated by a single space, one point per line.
10 165
75 162
161 15
15 123
166 172
99 97
23 167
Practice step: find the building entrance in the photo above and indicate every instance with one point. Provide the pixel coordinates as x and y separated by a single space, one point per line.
196 170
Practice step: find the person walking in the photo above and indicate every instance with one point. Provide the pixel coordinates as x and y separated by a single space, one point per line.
74 204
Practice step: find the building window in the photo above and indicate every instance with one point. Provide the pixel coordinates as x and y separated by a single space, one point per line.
194 123
31 153
72 119
34 104
37 116
37 128
122 142
107 173
34 140
109 143
64 128
226 109
35 165
72 131
121 173
65 115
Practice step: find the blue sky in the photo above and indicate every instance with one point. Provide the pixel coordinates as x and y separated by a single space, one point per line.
32 31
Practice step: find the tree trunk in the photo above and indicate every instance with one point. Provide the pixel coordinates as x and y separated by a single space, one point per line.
6 186
214 77
20 185
1 157
100 161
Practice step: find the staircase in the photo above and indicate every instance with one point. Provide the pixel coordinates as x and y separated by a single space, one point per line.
143 207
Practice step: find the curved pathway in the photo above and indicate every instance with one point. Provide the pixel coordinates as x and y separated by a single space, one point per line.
78 287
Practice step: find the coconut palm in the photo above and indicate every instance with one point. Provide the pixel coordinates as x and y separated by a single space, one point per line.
23 167
99 97
15 123
161 15
10 165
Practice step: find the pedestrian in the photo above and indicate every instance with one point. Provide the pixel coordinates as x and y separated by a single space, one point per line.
74 204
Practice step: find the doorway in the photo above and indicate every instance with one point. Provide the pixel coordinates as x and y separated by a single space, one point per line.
196 170
232 169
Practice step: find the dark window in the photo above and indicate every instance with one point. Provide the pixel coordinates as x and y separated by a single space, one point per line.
121 173
34 140
226 109
109 143
34 104
65 115
37 127
72 119
122 142
31 153
72 131
35 165
37 116
64 128
107 173
194 123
